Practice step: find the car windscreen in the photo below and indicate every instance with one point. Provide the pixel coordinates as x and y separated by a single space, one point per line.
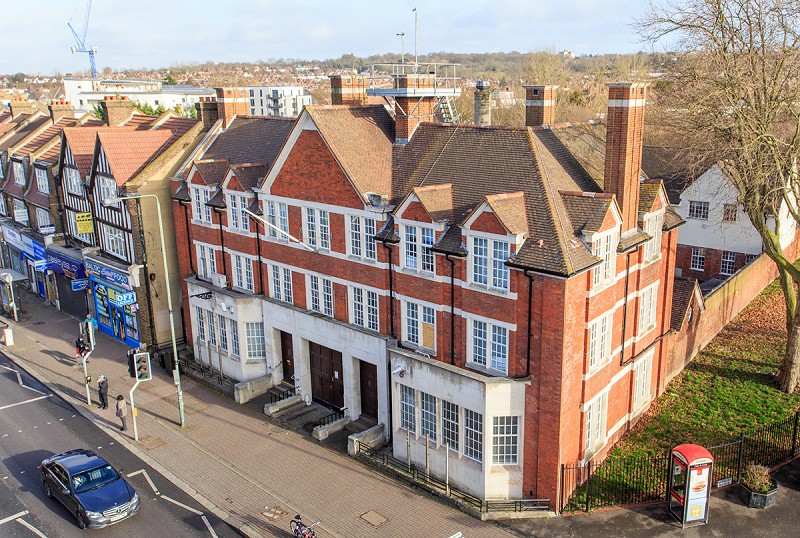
94 478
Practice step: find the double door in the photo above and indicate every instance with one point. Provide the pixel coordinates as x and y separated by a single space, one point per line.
327 383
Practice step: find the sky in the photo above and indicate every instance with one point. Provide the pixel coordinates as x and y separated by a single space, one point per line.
160 33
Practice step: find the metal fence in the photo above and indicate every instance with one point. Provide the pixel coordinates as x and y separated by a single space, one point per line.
410 473
614 482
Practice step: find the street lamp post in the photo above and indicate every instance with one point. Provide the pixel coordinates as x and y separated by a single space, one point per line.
177 371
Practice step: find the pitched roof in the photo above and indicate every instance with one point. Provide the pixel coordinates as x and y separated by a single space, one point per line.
212 172
217 200
53 131
24 131
450 242
437 200
670 165
683 291
182 193
81 141
250 139
249 175
587 211
510 209
361 139
129 152
671 219
648 191
579 150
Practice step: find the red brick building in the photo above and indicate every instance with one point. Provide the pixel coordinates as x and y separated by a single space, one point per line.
499 293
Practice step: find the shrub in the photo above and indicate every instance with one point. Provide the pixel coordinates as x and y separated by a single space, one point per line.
756 478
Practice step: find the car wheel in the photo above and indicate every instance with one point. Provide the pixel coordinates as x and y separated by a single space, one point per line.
47 490
81 521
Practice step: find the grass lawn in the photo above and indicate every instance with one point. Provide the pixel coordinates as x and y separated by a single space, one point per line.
728 388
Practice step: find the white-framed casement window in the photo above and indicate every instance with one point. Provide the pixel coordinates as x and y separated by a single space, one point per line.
473 435
20 211
600 341
653 225
594 414
202 213
730 212
212 328
278 216
698 210
234 332
3 209
19 173
73 228
642 372
206 261
238 219
489 346
320 292
487 263
604 247
242 272
256 347
281 283
408 409
750 258
364 308
727 265
201 323
73 181
42 182
450 421
505 440
362 232
698 259
317 228
42 218
420 325
114 241
647 309
222 325
427 416
417 243
107 188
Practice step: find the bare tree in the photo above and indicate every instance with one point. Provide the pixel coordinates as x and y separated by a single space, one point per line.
734 98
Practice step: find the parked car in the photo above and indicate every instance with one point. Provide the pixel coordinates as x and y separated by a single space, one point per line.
89 487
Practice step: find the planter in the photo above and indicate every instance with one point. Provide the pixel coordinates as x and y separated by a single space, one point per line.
754 499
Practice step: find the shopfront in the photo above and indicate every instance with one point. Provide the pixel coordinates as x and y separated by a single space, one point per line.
37 265
15 246
115 302
67 278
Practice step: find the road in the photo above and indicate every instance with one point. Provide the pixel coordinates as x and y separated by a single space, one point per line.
34 424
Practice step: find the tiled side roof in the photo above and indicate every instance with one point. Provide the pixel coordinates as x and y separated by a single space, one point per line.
683 291
81 141
633 239
46 136
249 175
510 209
12 123
177 124
586 212
217 200
5 115
23 132
450 242
437 200
671 219
250 139
361 139
648 191
387 233
672 166
212 172
128 152
140 121
579 149
182 193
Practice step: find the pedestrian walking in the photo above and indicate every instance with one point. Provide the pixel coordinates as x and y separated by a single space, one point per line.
102 390
122 412
90 319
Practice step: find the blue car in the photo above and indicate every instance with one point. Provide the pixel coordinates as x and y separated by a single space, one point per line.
89 487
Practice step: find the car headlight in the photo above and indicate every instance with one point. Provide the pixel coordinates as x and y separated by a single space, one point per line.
93 515
135 499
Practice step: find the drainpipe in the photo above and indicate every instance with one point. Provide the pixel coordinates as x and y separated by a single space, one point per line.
530 313
260 268
188 237
452 310
392 334
625 306
222 244
391 291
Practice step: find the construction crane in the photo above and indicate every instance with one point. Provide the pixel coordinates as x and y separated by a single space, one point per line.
80 40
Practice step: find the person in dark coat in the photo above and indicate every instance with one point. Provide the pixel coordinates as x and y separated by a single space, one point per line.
122 412
102 390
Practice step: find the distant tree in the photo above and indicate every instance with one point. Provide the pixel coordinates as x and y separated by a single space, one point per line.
108 71
146 108
547 67
97 111
18 78
170 80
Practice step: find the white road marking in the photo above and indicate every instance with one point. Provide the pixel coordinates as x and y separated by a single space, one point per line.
189 508
12 518
209 527
146 477
19 380
31 528
26 401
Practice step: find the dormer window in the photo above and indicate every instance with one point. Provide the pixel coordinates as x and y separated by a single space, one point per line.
42 182
73 180
238 219
202 213
418 242
652 226
604 247
107 188
19 173
488 266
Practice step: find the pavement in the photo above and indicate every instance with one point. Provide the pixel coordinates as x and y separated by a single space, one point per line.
256 474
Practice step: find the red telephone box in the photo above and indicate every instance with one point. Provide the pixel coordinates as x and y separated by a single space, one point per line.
691 467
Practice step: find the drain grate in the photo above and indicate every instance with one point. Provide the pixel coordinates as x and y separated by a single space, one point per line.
373 518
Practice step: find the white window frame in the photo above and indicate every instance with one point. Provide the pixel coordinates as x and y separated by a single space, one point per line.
19 172
642 376
281 278
256 345
428 416
3 209
222 327
600 334
364 308
361 237
505 440
201 210
727 263
19 205
595 417
698 260
473 435
114 241
416 316
243 272
408 408
43 218
234 332
488 345
451 414
320 295
42 181
417 243
604 246
107 188
201 323
73 181
211 325
648 301
653 226
698 209
237 218
317 228
206 260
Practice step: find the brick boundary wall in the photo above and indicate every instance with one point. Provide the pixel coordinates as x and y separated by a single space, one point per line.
721 306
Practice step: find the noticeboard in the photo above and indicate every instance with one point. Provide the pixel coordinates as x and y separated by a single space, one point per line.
83 223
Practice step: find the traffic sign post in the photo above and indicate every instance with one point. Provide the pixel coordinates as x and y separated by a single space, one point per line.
86 330
139 368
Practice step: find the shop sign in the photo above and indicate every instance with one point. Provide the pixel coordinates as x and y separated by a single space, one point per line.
124 299
21 216
60 263
106 273
83 223
80 284
48 230
13 237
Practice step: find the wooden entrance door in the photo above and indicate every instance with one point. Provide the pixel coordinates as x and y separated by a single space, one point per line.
369 390
327 383
287 357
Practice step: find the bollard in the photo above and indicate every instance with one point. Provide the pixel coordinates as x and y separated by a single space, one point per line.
8 337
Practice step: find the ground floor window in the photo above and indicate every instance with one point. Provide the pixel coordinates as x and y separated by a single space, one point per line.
698 259
505 435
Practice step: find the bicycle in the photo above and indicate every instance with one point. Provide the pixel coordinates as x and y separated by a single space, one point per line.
300 529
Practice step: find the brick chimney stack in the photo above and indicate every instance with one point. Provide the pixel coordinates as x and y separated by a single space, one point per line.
624 132
117 109
207 111
232 102
483 103
21 106
410 106
348 90
540 105
61 108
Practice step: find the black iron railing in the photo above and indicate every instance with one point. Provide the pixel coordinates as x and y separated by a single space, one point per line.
331 417
278 395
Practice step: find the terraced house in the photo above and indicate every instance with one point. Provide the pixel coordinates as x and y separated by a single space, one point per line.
496 299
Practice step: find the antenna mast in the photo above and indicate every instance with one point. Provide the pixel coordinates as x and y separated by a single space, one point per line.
416 31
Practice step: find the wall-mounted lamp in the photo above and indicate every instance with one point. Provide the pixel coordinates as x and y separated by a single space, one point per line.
399 371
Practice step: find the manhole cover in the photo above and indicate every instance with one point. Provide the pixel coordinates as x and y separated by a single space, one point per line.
373 518
149 443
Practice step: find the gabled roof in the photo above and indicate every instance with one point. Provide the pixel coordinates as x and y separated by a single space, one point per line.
212 172
577 150
648 191
46 136
81 141
684 290
129 152
437 200
672 166
182 193
361 140
249 175
510 209
250 139
23 132
587 211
